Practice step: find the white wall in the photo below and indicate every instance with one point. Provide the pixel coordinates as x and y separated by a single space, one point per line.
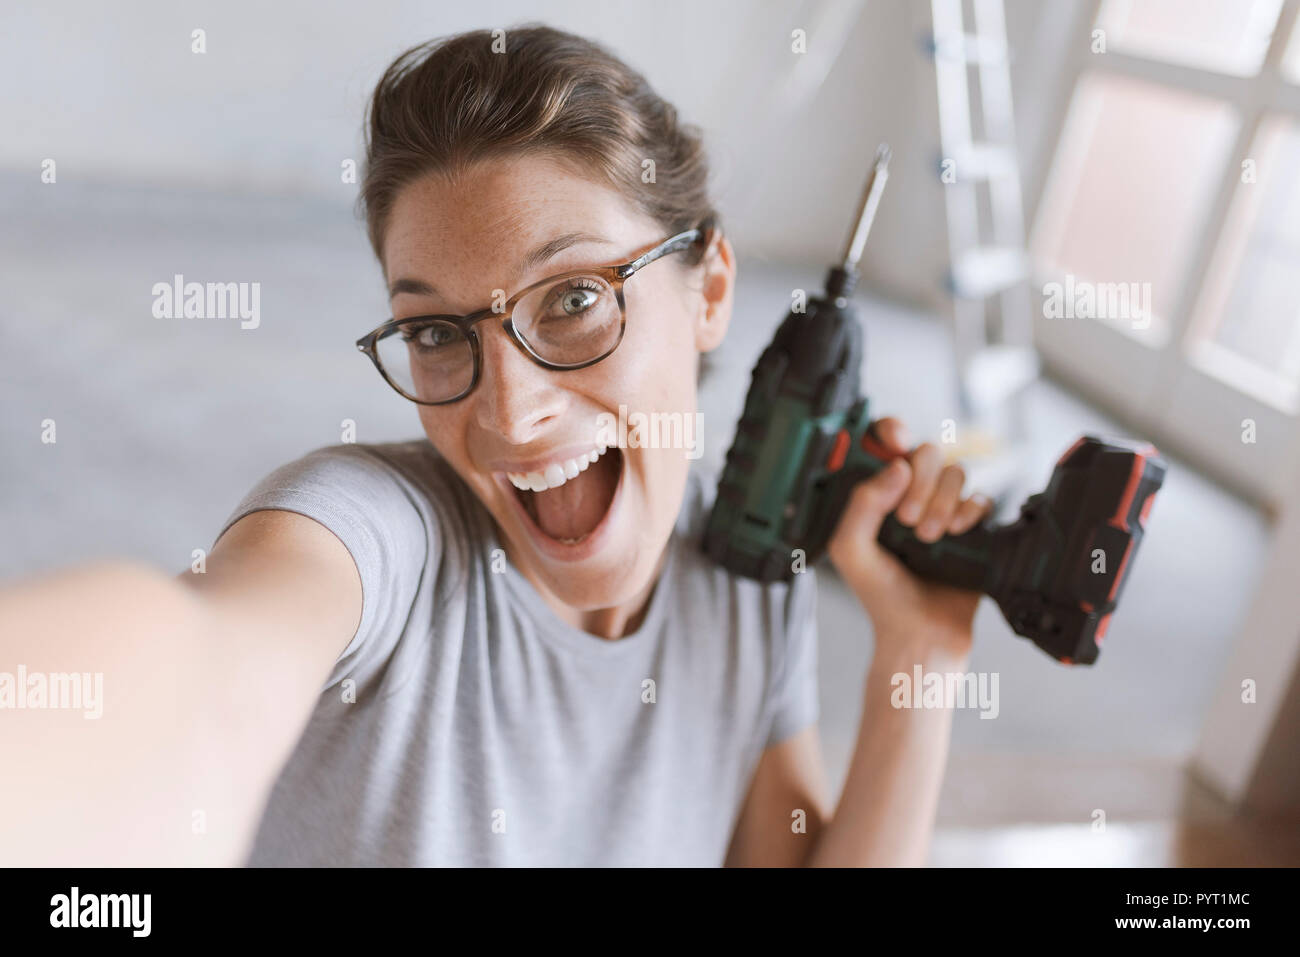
113 91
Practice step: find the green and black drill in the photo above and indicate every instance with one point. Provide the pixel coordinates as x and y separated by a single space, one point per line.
804 441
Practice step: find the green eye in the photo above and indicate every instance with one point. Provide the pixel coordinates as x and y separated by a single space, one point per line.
574 298
578 300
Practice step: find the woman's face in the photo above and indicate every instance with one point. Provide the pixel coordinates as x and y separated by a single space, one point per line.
592 540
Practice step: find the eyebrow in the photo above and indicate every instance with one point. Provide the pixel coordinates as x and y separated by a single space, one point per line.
540 254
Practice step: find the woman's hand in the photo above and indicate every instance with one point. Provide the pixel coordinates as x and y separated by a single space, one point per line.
910 615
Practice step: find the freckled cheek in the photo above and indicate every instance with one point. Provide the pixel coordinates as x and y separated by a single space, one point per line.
661 380
643 380
446 432
656 358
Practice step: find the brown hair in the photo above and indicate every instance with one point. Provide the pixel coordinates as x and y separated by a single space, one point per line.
446 103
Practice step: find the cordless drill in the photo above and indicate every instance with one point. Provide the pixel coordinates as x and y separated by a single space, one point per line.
804 441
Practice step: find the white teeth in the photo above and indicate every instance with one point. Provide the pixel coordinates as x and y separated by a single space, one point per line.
555 474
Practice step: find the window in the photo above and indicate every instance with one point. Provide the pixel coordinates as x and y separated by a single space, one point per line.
1178 166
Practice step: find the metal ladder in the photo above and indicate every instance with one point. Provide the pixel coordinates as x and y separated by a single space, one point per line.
995 360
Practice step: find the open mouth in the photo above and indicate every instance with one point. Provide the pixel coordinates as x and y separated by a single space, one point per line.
569 500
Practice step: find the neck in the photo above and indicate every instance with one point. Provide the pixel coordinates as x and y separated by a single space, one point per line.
612 622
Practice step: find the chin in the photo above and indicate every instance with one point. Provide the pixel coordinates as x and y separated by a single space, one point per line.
597 588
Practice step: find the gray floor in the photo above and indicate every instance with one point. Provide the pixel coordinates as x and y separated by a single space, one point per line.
163 424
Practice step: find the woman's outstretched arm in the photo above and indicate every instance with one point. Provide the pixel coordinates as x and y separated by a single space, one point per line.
179 697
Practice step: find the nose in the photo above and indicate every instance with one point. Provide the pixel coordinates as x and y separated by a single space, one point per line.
515 397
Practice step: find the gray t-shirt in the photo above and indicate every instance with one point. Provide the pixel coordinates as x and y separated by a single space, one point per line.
467 724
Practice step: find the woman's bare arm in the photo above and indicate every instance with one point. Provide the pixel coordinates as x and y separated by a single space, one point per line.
887 805
206 682
885 815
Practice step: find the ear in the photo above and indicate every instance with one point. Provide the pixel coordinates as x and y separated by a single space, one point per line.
716 294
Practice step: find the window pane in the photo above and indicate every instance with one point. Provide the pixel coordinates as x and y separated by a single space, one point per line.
1249 307
1228 36
1135 171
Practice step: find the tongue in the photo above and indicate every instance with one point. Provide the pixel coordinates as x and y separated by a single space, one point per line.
576 507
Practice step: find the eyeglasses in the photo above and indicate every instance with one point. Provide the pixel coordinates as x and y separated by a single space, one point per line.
569 321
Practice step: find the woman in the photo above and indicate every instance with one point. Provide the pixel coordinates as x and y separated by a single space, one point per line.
501 645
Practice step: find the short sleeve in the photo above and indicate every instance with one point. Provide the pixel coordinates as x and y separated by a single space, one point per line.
373 511
795 704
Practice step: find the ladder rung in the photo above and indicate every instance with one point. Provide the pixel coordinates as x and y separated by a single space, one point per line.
969 48
996 373
986 270
984 161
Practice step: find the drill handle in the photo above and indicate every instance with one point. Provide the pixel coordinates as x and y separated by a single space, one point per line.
963 561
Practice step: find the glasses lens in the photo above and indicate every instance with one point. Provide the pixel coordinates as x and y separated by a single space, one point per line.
430 360
574 320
